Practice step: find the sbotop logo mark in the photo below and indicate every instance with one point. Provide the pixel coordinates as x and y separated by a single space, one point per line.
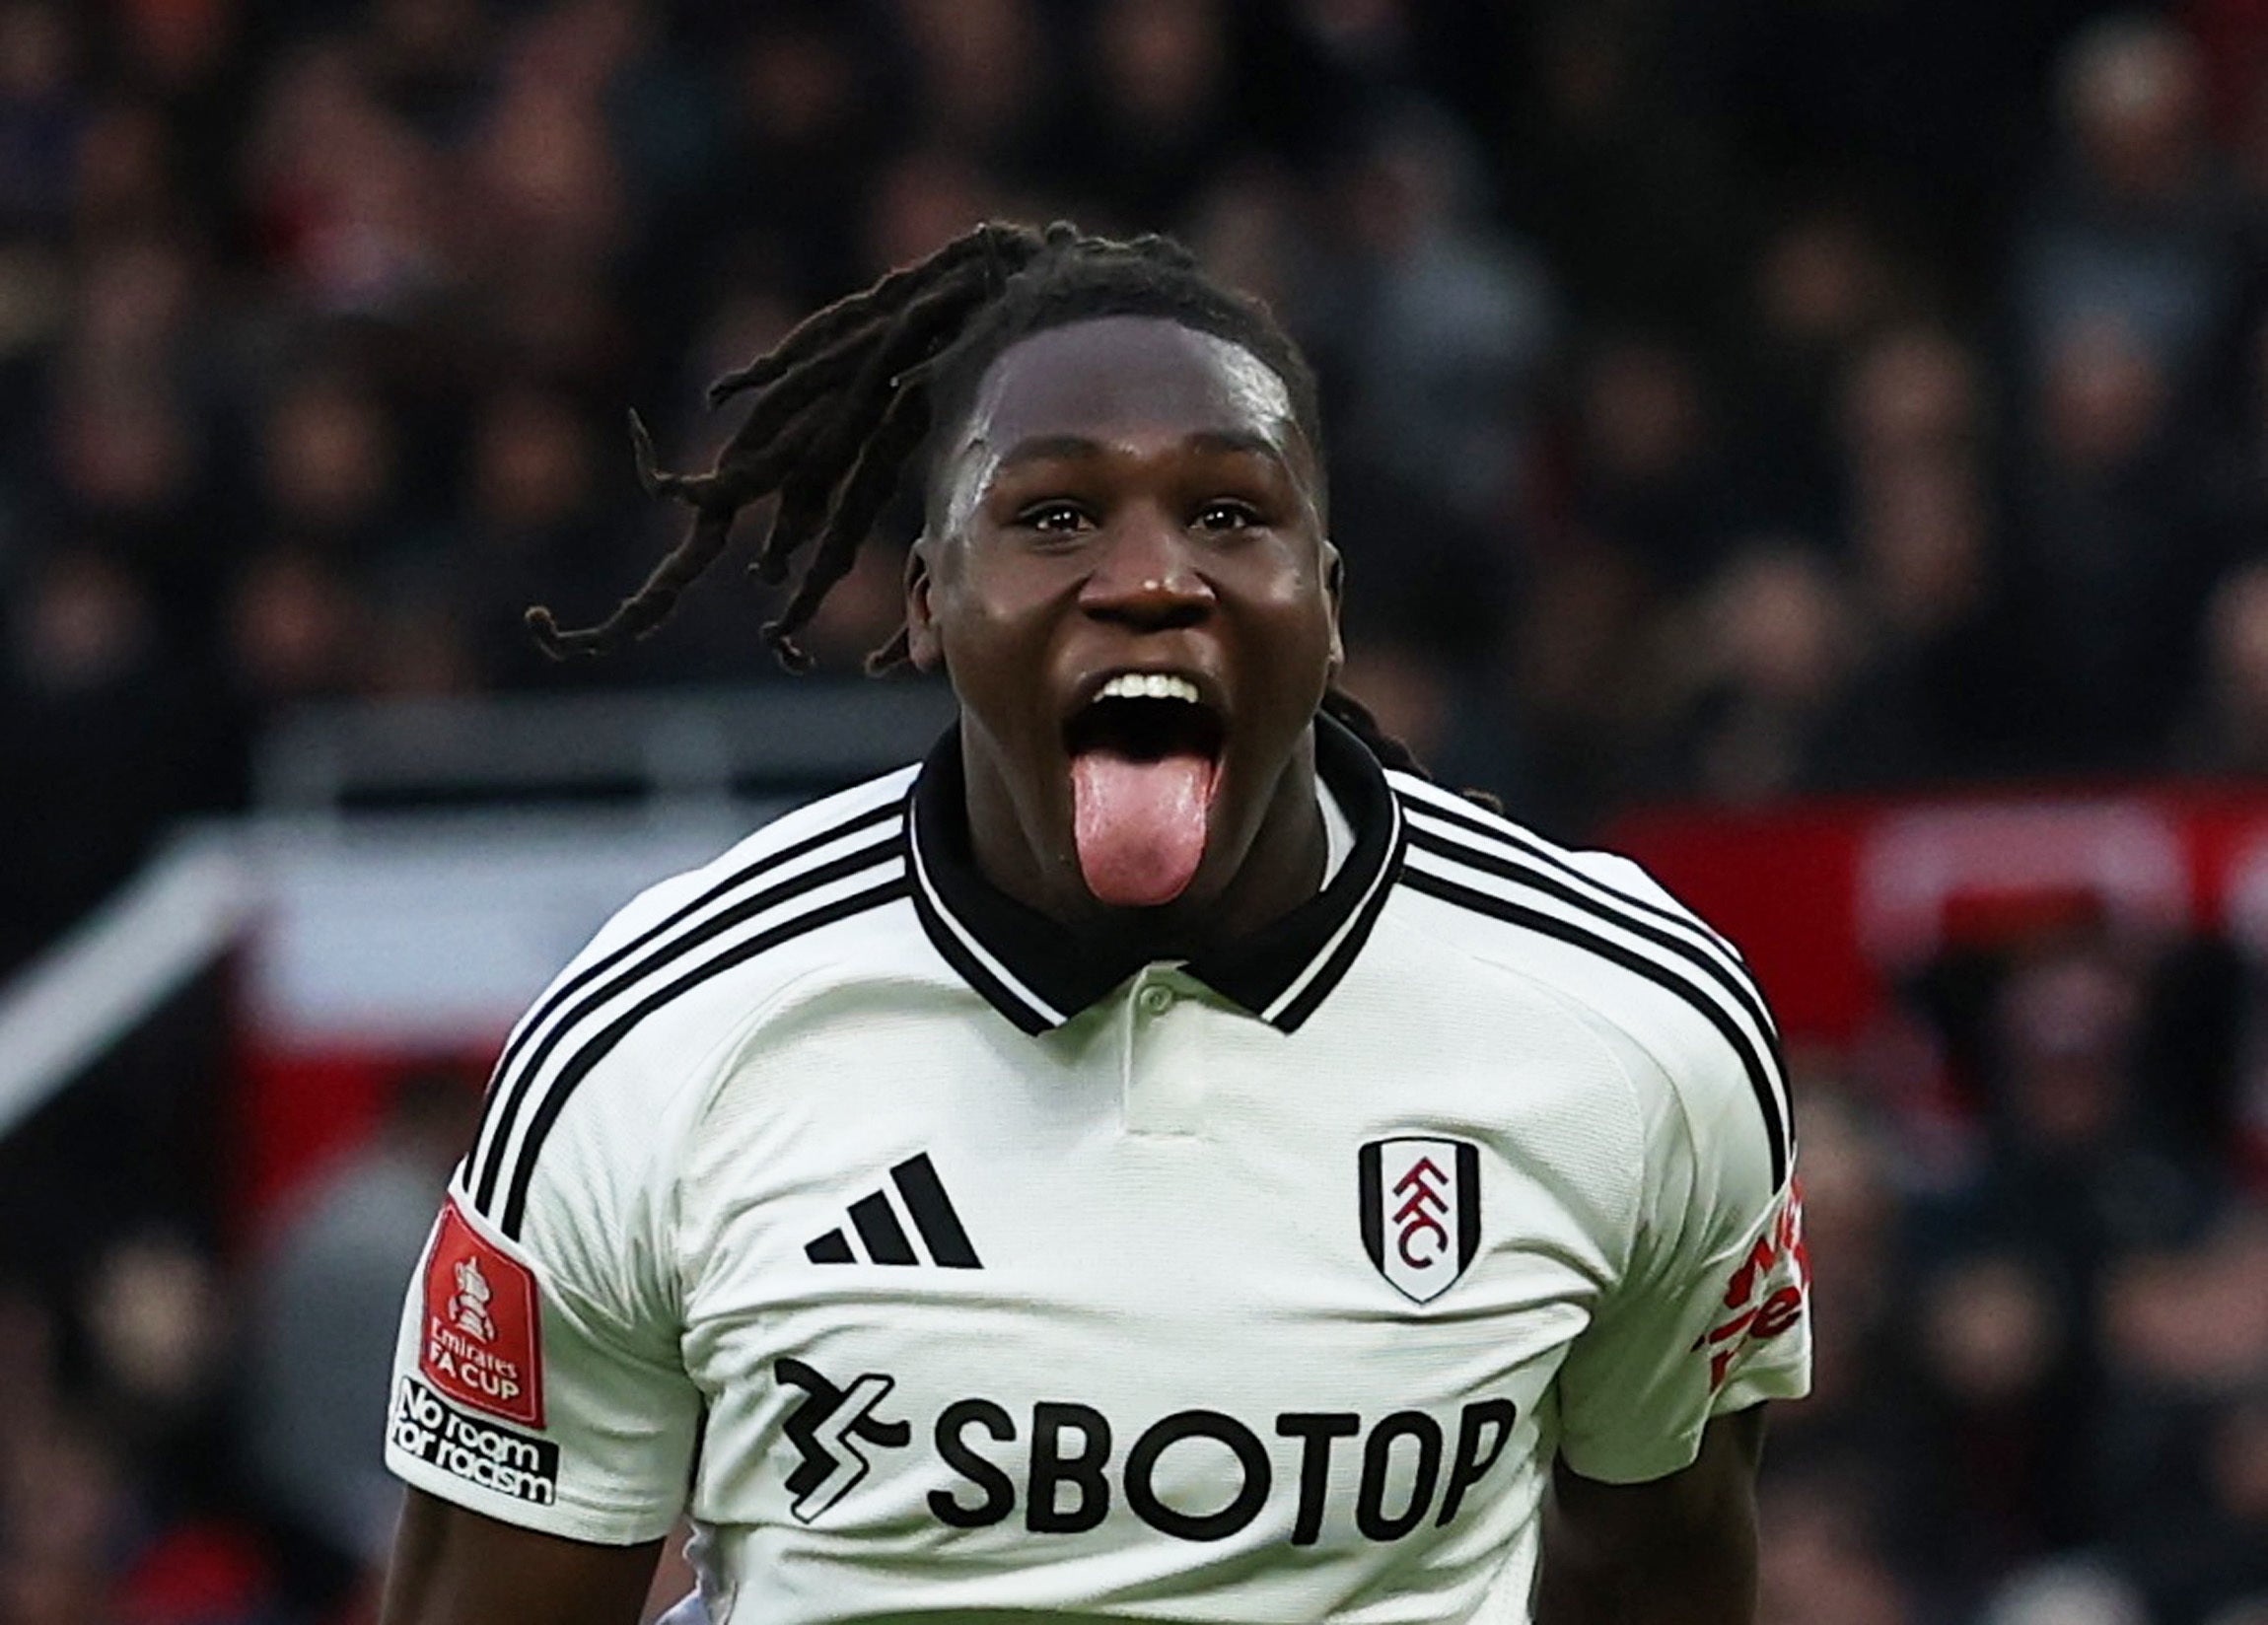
825 1429
1420 1211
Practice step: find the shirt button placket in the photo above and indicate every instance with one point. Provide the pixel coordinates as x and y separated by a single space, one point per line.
1163 1088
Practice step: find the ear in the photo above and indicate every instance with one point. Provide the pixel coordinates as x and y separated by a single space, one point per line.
923 645
1335 588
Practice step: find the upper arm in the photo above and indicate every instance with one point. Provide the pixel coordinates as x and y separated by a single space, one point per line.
545 1441
538 1382
1706 1312
454 1567
538 1378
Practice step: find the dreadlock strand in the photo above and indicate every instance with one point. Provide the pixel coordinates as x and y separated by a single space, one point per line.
822 373
801 511
1157 247
757 470
829 328
793 656
891 655
845 438
856 377
645 609
736 482
699 491
863 496
822 328
929 319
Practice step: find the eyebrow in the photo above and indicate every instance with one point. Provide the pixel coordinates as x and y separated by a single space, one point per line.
1074 448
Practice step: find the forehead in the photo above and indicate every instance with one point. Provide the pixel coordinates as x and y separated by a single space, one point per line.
1113 377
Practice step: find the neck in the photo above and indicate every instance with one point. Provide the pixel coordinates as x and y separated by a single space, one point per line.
1268 873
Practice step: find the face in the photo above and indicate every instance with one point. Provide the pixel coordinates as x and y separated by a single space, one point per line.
1125 576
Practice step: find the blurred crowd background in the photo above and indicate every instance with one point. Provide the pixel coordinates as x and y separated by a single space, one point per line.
1726 402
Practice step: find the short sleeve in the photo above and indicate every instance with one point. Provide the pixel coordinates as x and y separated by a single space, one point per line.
536 1382
1713 1315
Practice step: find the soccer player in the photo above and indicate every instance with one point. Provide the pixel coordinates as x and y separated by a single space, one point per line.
1160 1158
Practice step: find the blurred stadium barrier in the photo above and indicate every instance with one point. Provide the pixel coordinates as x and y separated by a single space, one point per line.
411 876
123 961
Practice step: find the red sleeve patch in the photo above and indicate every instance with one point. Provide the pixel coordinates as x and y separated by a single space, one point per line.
482 1344
1751 1315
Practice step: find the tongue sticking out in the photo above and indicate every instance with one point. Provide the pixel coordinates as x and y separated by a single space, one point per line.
1140 824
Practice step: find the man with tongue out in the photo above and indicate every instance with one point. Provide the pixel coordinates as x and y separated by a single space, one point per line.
1159 1159
1126 577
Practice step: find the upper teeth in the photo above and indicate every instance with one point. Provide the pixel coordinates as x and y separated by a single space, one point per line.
1148 685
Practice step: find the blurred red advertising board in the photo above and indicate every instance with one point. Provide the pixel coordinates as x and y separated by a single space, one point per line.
1830 899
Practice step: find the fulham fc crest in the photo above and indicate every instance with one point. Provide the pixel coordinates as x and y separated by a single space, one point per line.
1421 1212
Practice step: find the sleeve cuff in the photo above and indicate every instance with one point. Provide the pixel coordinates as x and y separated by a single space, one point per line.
1753 1384
1660 1454
1656 1456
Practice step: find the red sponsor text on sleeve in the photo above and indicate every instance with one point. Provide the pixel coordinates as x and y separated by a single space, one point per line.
1753 1316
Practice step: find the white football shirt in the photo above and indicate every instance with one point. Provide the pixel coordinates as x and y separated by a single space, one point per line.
939 1262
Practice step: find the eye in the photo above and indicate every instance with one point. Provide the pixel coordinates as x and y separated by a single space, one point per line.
1054 516
1228 514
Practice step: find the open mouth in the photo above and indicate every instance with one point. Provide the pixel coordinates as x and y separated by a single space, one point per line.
1144 764
1145 716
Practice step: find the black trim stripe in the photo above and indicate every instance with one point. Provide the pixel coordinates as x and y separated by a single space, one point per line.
1368 1184
505 1104
971 969
738 877
1028 1017
579 1067
1523 860
1739 987
1754 1061
1506 833
880 1232
1319 988
1467 1202
924 1198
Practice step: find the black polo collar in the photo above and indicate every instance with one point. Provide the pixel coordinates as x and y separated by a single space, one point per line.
1039 973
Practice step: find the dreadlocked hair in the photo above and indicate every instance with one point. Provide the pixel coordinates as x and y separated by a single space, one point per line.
842 406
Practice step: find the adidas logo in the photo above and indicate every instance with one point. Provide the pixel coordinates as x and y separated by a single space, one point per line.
876 1220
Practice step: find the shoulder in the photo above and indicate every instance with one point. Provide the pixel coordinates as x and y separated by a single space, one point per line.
611 1053
1652 976
831 836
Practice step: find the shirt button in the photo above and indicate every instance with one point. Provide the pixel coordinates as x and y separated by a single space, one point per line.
1155 1001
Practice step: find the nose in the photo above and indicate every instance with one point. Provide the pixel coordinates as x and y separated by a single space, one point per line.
1146 575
